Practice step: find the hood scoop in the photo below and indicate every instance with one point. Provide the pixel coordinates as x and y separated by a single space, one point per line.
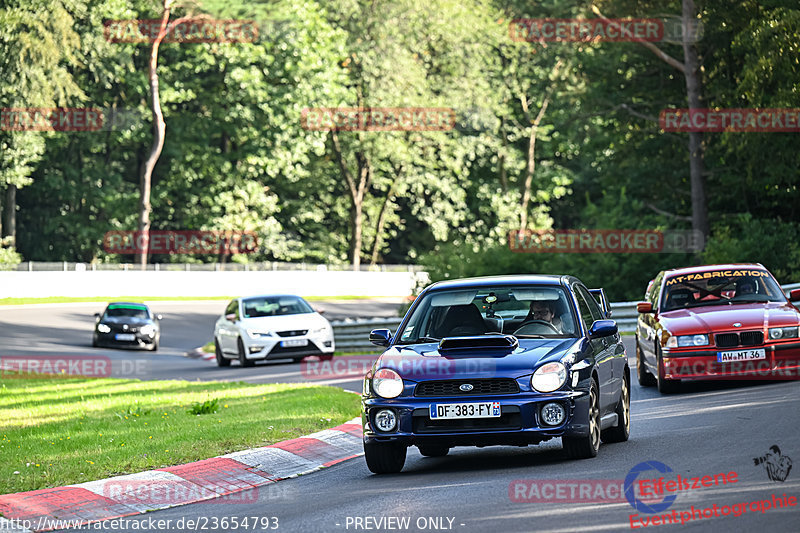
492 343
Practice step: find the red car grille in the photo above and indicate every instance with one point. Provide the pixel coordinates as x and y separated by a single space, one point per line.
745 338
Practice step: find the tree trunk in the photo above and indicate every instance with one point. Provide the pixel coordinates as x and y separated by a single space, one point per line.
376 245
10 215
159 128
357 193
526 191
693 89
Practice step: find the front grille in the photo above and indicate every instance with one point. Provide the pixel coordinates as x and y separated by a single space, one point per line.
726 340
510 419
745 338
751 338
310 349
292 333
480 387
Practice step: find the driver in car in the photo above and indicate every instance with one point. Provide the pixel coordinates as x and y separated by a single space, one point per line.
746 286
545 310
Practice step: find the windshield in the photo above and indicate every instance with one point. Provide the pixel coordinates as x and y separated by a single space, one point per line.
527 311
720 287
275 306
118 311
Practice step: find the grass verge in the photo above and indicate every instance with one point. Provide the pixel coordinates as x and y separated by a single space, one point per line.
56 431
140 299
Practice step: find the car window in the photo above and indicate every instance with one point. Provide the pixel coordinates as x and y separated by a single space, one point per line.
543 310
653 290
129 311
274 306
233 308
590 311
715 287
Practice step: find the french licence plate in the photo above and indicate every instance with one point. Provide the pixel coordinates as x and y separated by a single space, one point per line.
741 355
294 342
125 336
441 411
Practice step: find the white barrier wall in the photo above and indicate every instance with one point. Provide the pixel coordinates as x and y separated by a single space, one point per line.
151 283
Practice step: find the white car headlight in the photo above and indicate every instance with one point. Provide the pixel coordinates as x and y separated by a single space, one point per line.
387 383
683 341
149 329
257 334
783 333
549 377
102 328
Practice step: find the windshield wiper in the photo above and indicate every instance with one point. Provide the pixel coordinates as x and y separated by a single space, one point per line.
420 340
530 336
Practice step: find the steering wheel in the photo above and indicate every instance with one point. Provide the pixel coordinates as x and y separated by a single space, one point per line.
534 322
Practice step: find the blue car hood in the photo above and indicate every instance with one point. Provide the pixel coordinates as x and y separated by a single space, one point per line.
420 362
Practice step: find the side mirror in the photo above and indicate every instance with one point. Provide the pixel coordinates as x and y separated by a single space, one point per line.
603 328
97 315
319 310
380 337
230 317
644 307
794 295
159 317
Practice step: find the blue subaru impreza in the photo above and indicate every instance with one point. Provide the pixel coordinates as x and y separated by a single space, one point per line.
511 360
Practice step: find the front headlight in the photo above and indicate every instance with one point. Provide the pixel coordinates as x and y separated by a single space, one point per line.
102 328
784 333
257 334
683 341
149 330
387 383
549 377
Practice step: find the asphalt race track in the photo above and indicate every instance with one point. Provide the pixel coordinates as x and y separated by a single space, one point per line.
706 430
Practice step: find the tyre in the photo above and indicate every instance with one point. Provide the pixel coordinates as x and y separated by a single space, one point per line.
622 430
644 377
243 360
94 342
586 447
221 359
385 457
326 357
433 451
665 386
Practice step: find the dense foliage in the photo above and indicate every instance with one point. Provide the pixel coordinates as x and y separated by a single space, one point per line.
237 157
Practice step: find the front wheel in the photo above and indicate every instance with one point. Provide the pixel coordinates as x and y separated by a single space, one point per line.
243 360
586 447
221 359
622 430
384 457
665 386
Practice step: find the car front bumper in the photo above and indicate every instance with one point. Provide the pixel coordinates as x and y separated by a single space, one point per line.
139 340
520 422
270 347
782 362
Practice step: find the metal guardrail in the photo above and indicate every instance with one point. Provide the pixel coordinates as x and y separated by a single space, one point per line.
66 266
353 334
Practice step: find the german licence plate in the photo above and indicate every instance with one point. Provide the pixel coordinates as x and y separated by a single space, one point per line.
441 411
741 355
125 336
294 342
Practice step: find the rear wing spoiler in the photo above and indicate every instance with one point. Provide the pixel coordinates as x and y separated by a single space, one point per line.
602 300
